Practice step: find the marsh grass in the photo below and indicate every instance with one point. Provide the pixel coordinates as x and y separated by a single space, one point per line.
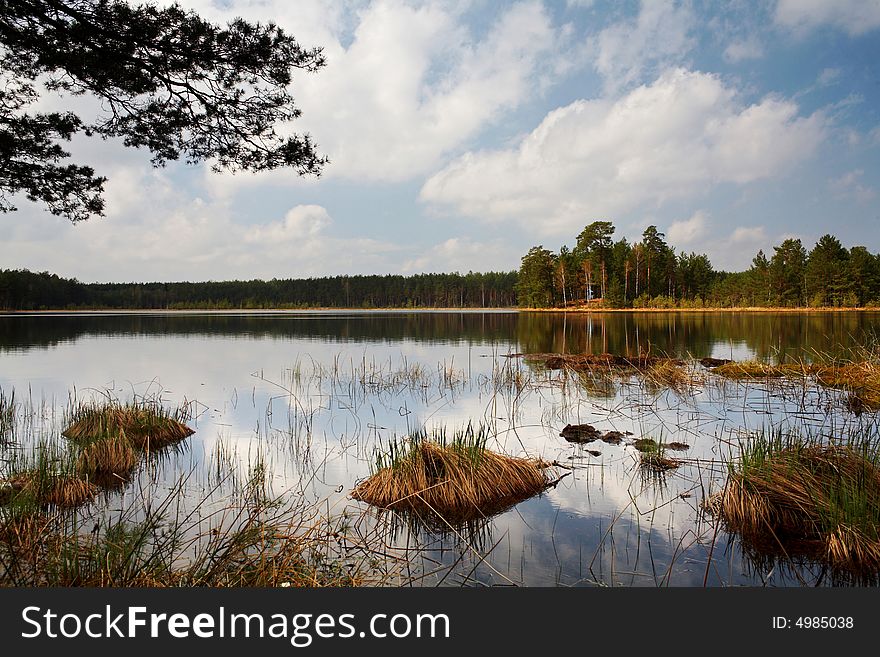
860 378
450 482
253 539
34 489
108 461
147 426
7 414
799 496
43 478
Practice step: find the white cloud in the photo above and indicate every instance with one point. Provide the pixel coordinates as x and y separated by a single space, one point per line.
687 231
748 235
172 239
748 48
657 37
464 254
856 17
406 83
673 139
828 76
849 186
301 222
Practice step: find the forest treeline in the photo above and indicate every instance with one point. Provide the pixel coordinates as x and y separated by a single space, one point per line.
25 290
650 274
596 271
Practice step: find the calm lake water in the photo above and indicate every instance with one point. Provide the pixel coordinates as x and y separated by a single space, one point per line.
313 395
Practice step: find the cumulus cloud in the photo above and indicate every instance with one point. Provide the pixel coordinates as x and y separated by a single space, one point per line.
748 48
657 36
748 235
673 139
407 83
855 17
688 231
173 239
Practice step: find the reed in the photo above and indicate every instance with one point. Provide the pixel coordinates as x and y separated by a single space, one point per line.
151 542
107 461
147 426
7 414
450 482
800 496
33 488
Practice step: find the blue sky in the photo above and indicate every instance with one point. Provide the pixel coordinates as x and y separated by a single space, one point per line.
462 132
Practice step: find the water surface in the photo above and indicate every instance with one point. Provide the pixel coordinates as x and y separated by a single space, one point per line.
312 395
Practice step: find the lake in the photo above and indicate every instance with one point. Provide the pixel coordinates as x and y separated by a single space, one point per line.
310 397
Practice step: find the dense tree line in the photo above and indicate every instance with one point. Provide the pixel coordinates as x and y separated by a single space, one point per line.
25 290
650 274
597 270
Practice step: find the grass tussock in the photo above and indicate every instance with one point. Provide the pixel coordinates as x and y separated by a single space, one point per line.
588 362
33 488
108 461
668 373
807 499
750 369
451 483
652 457
861 380
146 426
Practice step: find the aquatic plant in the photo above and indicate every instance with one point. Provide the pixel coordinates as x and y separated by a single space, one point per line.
146 426
107 460
450 481
800 496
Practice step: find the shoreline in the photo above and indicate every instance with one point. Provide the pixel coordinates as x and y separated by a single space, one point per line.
738 309
439 309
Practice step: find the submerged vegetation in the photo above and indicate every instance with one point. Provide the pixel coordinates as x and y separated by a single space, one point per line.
860 379
449 483
804 498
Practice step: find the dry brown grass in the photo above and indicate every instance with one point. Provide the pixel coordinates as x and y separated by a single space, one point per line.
750 369
669 373
145 427
107 461
818 501
36 487
454 483
862 380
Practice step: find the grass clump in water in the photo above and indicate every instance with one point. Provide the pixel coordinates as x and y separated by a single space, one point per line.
801 497
451 482
750 369
146 426
107 461
861 380
652 456
34 489
47 478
